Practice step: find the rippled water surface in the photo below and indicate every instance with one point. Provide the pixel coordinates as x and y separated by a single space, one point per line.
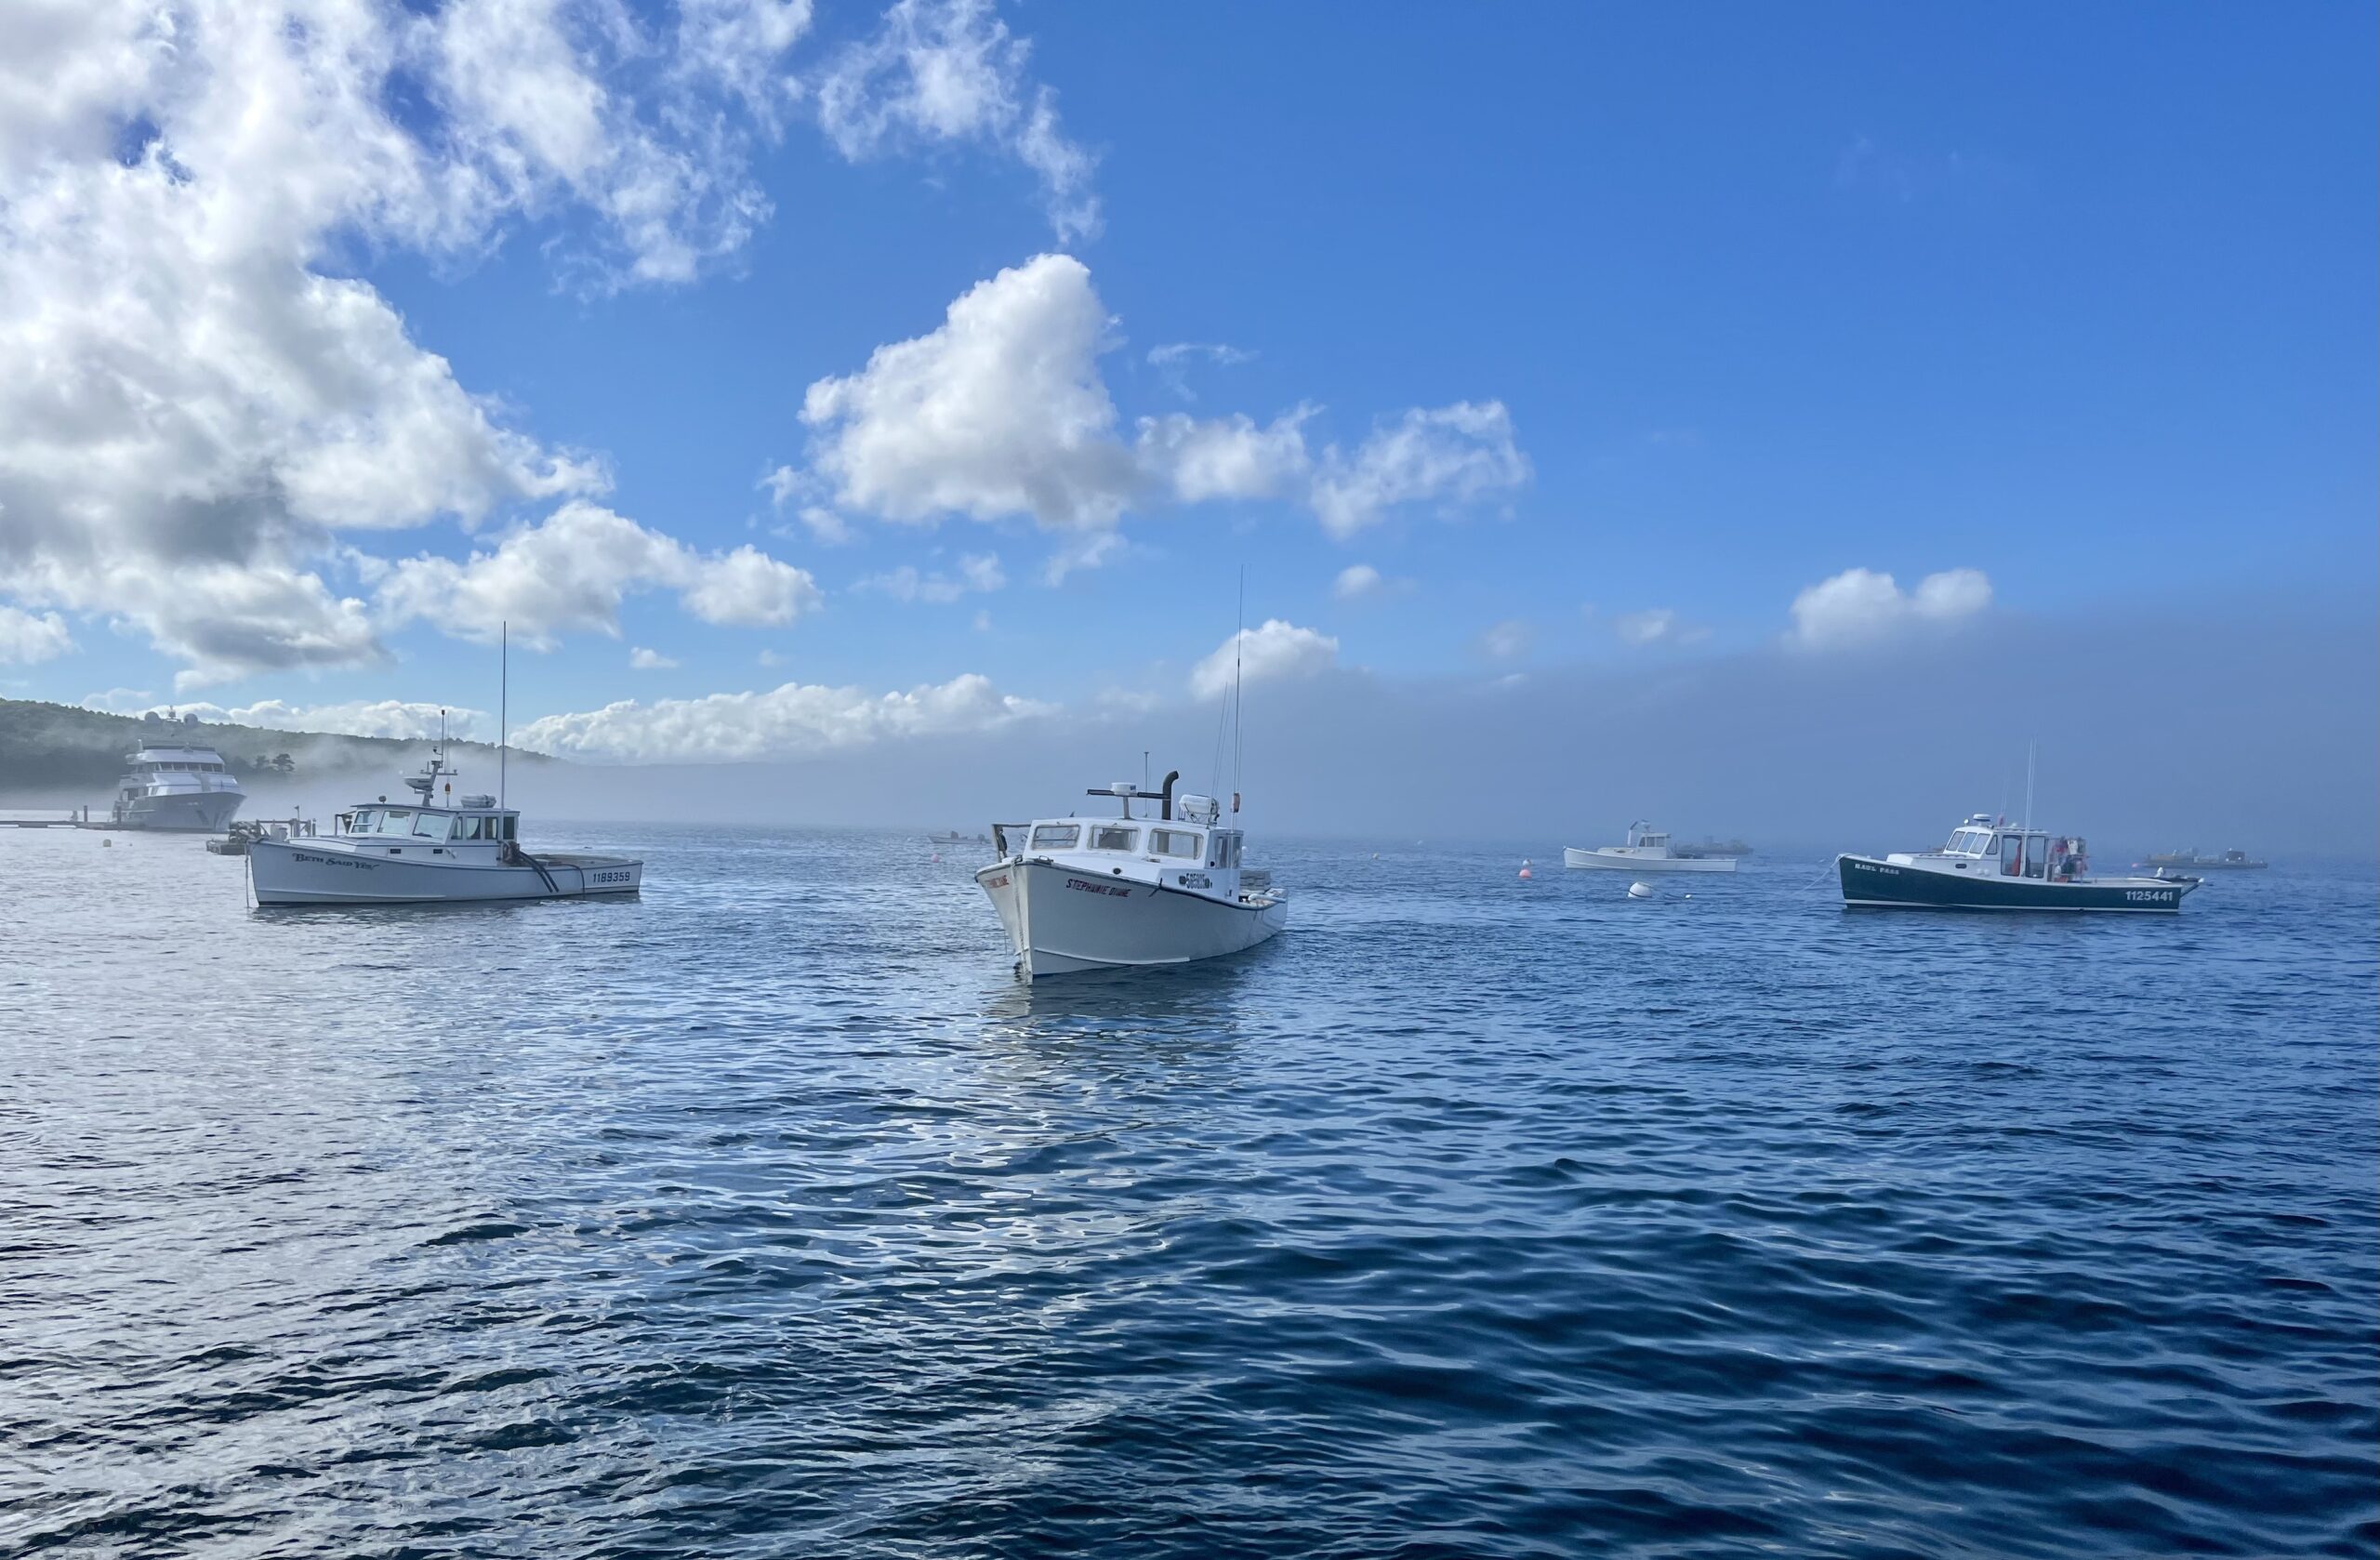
766 1215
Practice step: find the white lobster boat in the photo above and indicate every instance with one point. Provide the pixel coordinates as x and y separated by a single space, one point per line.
1647 851
434 851
1129 891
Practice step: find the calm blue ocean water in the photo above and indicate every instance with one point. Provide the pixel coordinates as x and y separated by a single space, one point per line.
764 1215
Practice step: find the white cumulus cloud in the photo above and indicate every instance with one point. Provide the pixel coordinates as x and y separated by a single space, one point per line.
641 659
197 396
980 572
404 720
1001 412
1648 627
25 638
1448 456
946 71
793 721
1862 606
572 570
1279 649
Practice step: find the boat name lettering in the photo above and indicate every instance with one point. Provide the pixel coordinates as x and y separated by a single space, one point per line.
613 877
2148 896
328 861
1117 889
999 883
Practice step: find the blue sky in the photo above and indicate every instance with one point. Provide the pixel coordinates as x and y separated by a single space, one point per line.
2079 301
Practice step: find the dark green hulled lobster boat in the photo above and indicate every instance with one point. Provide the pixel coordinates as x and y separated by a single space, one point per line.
1988 865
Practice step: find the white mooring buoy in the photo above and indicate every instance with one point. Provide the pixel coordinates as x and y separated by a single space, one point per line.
1640 890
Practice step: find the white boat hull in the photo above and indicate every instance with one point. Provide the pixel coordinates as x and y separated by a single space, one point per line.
306 873
1622 858
1064 919
181 811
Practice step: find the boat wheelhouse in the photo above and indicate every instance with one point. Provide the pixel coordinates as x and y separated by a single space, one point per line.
1647 851
1163 885
1991 865
435 849
174 787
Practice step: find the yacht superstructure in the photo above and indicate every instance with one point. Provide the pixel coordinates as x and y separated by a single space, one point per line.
177 786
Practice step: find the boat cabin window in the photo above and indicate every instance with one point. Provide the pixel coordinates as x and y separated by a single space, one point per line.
1115 837
1056 837
429 826
397 820
366 820
468 829
1174 842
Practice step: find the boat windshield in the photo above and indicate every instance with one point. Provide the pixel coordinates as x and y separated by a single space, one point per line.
1056 837
430 826
1115 837
1174 842
366 820
396 820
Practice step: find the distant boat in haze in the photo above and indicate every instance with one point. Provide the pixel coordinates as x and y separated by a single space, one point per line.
2229 861
1647 851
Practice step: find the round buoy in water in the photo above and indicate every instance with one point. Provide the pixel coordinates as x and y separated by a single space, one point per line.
938 856
1527 874
107 841
1640 890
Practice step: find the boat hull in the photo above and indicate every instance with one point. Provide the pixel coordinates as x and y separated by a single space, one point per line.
1620 858
1061 921
1868 883
181 811
304 873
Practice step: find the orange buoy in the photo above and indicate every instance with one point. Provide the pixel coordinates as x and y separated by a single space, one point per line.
1526 873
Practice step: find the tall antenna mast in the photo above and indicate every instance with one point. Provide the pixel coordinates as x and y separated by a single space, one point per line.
2030 747
1238 641
503 702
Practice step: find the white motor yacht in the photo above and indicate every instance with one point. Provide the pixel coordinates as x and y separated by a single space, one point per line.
433 850
173 787
1130 889
1647 851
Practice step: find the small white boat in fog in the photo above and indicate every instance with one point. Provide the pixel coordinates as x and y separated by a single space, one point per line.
1647 851
434 851
1130 889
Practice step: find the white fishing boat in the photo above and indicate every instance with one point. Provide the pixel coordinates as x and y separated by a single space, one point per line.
1647 851
435 849
173 787
1160 886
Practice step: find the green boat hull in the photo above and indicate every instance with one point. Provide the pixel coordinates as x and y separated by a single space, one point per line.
1868 883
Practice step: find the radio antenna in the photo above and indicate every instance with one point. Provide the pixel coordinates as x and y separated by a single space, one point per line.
1238 642
503 702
